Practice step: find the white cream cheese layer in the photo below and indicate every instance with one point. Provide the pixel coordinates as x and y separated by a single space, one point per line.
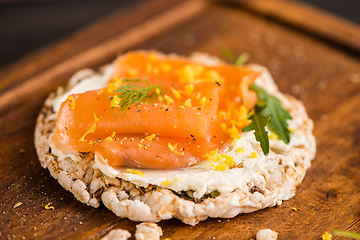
202 179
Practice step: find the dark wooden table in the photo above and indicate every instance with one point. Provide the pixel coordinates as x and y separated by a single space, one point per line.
311 55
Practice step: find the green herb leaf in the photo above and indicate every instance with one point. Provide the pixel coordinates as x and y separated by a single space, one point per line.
346 234
228 55
258 123
134 91
277 113
243 58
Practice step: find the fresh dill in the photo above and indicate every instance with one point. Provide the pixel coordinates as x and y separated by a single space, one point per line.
136 90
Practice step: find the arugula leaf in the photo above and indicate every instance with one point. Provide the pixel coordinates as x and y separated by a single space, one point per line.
277 113
258 123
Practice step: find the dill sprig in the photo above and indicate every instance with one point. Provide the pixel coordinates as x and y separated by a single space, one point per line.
136 90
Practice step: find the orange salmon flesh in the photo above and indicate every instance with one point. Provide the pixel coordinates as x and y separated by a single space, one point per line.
196 109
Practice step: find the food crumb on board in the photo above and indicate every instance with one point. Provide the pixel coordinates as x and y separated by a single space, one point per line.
18 204
266 234
294 209
148 231
117 234
48 207
326 236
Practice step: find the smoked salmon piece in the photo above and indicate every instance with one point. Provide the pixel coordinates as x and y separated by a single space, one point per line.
195 110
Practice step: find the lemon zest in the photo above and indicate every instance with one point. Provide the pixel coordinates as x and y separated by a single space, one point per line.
91 130
132 72
134 171
110 138
187 103
115 102
151 137
165 67
168 99
167 182
71 102
173 149
219 161
48 207
240 149
326 236
188 89
114 84
176 93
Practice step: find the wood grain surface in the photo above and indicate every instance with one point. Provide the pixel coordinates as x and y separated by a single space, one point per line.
325 75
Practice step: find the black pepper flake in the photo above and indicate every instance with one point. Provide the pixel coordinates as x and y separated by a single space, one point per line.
194 140
167 109
210 99
214 136
218 83
199 109
138 111
191 135
67 129
97 98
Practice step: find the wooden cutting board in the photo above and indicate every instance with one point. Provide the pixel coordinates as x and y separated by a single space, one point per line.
312 55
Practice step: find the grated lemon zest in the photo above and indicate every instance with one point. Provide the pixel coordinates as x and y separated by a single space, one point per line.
140 146
48 207
240 149
220 161
176 93
151 137
134 171
326 236
132 72
165 67
115 102
188 89
202 101
173 149
253 155
213 76
91 130
114 84
187 103
273 136
168 99
167 182
110 138
292 129
190 74
71 102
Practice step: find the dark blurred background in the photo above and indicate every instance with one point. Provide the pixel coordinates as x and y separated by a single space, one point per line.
28 25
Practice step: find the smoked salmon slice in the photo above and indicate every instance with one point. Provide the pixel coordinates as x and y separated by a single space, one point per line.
194 110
